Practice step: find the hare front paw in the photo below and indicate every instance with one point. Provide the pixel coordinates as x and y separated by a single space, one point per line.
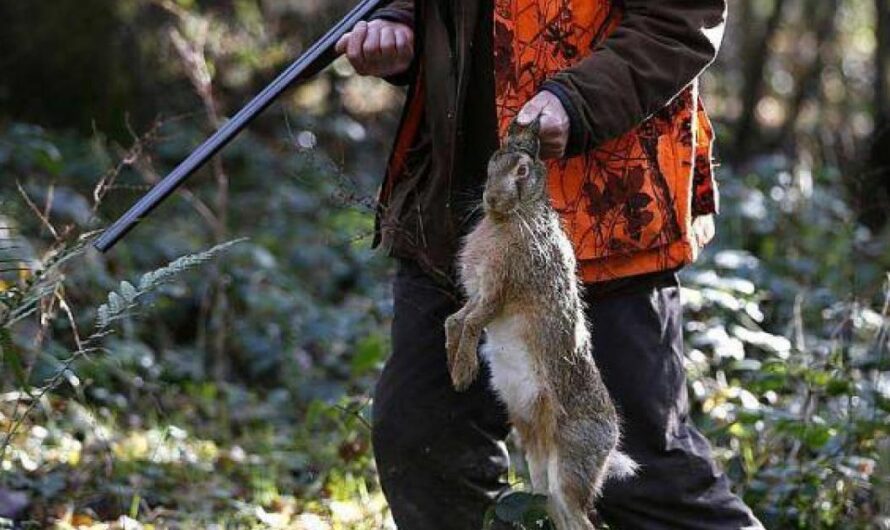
454 326
463 364
466 367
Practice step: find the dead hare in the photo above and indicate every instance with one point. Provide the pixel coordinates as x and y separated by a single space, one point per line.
518 272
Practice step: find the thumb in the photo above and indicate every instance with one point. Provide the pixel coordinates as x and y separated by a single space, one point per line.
341 44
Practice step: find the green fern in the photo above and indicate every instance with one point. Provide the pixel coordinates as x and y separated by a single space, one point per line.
44 277
19 302
121 302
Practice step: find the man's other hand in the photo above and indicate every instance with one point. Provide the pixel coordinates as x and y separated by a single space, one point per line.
380 48
554 123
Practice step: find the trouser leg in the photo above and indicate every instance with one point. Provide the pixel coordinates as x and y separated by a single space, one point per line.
638 346
440 454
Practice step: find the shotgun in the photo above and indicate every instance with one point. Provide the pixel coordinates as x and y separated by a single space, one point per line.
314 60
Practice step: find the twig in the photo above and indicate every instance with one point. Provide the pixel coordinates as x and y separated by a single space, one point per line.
43 219
48 204
63 303
129 158
146 169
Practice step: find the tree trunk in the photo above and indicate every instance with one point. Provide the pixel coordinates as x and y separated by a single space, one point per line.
808 83
872 188
758 54
882 61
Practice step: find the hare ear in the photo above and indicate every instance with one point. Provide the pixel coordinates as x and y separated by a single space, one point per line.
524 137
515 129
533 129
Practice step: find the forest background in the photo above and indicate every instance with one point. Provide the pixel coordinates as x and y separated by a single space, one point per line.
238 395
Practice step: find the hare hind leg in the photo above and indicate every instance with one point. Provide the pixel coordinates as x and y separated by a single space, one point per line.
535 427
532 437
577 470
537 470
566 501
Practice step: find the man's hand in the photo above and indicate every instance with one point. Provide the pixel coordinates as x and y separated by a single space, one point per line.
554 123
380 48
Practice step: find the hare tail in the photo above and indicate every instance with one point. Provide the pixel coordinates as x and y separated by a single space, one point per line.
621 466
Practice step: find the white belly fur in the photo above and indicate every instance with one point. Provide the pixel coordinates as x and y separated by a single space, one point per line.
512 372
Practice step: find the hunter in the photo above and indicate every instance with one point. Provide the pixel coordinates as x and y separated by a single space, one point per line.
629 150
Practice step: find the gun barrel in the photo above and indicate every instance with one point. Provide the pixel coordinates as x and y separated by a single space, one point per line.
315 59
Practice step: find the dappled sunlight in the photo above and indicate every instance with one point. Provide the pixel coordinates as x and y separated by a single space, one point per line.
164 386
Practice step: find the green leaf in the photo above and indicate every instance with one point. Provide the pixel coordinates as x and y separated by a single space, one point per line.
512 506
521 507
816 436
747 365
882 403
537 518
134 506
839 387
369 353
739 430
489 519
818 378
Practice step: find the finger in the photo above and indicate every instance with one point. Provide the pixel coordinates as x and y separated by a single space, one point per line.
342 43
390 60
551 126
403 53
388 49
553 141
401 42
354 49
405 41
405 45
371 48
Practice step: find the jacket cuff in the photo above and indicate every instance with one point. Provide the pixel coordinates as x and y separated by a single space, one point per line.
578 137
393 15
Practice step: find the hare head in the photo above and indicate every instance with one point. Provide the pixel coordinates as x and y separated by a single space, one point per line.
517 178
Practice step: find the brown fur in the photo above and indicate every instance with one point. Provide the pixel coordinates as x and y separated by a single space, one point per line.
518 271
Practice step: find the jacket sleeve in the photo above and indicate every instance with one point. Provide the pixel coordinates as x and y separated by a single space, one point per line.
401 11
657 50
396 11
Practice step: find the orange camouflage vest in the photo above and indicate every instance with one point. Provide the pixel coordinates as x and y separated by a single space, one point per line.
640 203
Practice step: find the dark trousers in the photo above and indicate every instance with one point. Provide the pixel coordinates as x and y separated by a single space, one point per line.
441 455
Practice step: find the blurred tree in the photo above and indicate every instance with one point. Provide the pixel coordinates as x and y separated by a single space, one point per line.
873 193
63 60
807 86
882 60
757 52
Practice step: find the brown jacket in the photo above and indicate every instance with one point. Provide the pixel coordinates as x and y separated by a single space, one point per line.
657 49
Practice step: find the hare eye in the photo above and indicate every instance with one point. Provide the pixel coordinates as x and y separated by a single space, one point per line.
522 171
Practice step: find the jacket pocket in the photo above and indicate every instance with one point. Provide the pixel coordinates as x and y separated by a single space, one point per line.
631 194
705 198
